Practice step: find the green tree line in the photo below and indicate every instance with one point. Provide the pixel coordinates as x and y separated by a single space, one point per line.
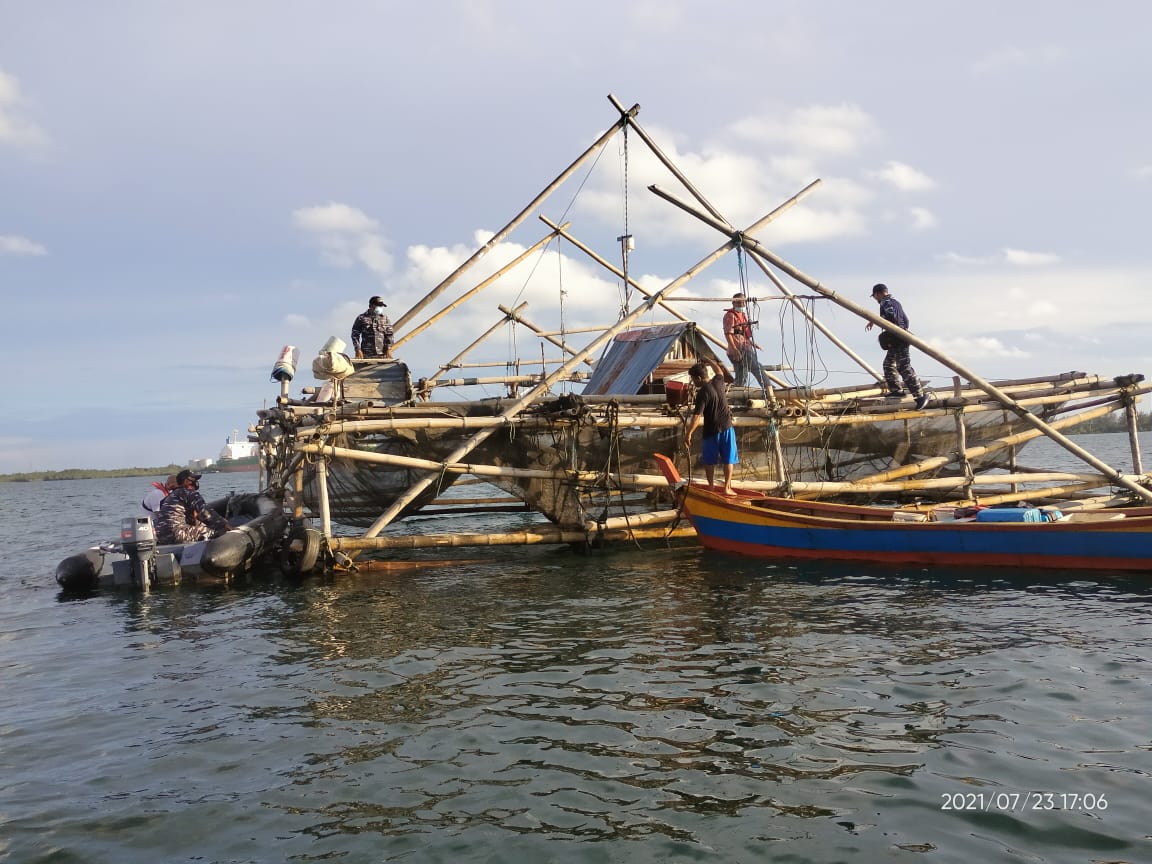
89 474
1114 422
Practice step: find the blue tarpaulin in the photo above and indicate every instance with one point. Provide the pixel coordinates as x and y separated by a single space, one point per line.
633 356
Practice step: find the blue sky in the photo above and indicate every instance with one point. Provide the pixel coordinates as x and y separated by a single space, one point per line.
185 188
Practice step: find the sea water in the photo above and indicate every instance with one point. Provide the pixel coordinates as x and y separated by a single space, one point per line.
646 704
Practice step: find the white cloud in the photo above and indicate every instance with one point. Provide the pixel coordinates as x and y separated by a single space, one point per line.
745 170
963 260
1015 57
1144 172
14 244
1022 258
978 348
904 177
1012 257
15 129
834 129
922 219
346 236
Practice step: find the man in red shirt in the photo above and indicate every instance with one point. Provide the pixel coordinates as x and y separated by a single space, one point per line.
741 347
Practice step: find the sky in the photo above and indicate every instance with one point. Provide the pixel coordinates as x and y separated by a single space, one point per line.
185 188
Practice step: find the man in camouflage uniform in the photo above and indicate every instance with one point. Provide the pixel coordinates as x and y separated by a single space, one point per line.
185 516
372 331
896 359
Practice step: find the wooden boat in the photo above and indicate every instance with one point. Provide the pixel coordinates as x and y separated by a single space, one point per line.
134 561
761 525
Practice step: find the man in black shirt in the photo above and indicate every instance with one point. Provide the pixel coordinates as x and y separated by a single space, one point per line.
711 409
372 331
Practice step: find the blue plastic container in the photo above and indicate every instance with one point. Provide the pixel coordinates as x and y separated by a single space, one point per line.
1010 514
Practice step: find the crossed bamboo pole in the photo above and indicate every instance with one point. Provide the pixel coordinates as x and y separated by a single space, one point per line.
1007 401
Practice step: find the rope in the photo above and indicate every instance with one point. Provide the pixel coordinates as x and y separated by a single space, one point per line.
627 289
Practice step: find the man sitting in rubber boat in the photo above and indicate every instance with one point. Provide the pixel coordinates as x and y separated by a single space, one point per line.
185 516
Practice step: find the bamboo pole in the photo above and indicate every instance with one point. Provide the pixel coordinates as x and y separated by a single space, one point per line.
629 117
983 449
638 481
467 295
545 534
559 343
789 295
401 419
655 517
644 291
325 511
1133 432
471 444
962 436
679 175
1007 401
298 508
502 379
516 220
816 322
310 413
523 361
1049 492
644 481
429 382
616 271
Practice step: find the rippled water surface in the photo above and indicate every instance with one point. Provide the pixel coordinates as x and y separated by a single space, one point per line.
641 705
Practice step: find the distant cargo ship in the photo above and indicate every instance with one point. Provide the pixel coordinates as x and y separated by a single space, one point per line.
237 455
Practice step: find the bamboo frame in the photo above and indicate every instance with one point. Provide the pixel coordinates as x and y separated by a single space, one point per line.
468 446
431 381
520 217
939 356
476 289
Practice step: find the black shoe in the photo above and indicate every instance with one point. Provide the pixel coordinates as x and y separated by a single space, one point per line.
894 394
921 402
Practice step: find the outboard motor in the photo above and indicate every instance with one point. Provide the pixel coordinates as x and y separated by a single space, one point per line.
138 539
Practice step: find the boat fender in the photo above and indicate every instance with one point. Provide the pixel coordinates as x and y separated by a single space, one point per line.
78 572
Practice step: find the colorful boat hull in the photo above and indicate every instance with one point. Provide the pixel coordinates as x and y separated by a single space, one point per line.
762 526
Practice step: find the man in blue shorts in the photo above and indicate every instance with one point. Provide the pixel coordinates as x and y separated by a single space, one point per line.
711 408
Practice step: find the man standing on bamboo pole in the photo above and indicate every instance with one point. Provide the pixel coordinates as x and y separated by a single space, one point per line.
711 408
897 363
741 346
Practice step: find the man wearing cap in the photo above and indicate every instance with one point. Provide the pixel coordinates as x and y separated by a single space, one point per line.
741 348
897 363
185 516
372 331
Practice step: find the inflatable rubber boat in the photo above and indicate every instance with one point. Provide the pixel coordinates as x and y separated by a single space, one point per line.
260 530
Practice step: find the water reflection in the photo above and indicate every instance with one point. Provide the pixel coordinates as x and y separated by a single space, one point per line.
552 706
620 699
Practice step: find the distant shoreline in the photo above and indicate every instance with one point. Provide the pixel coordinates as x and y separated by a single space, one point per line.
88 474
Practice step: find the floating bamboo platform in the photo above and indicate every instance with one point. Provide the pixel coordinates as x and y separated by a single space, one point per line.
569 440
